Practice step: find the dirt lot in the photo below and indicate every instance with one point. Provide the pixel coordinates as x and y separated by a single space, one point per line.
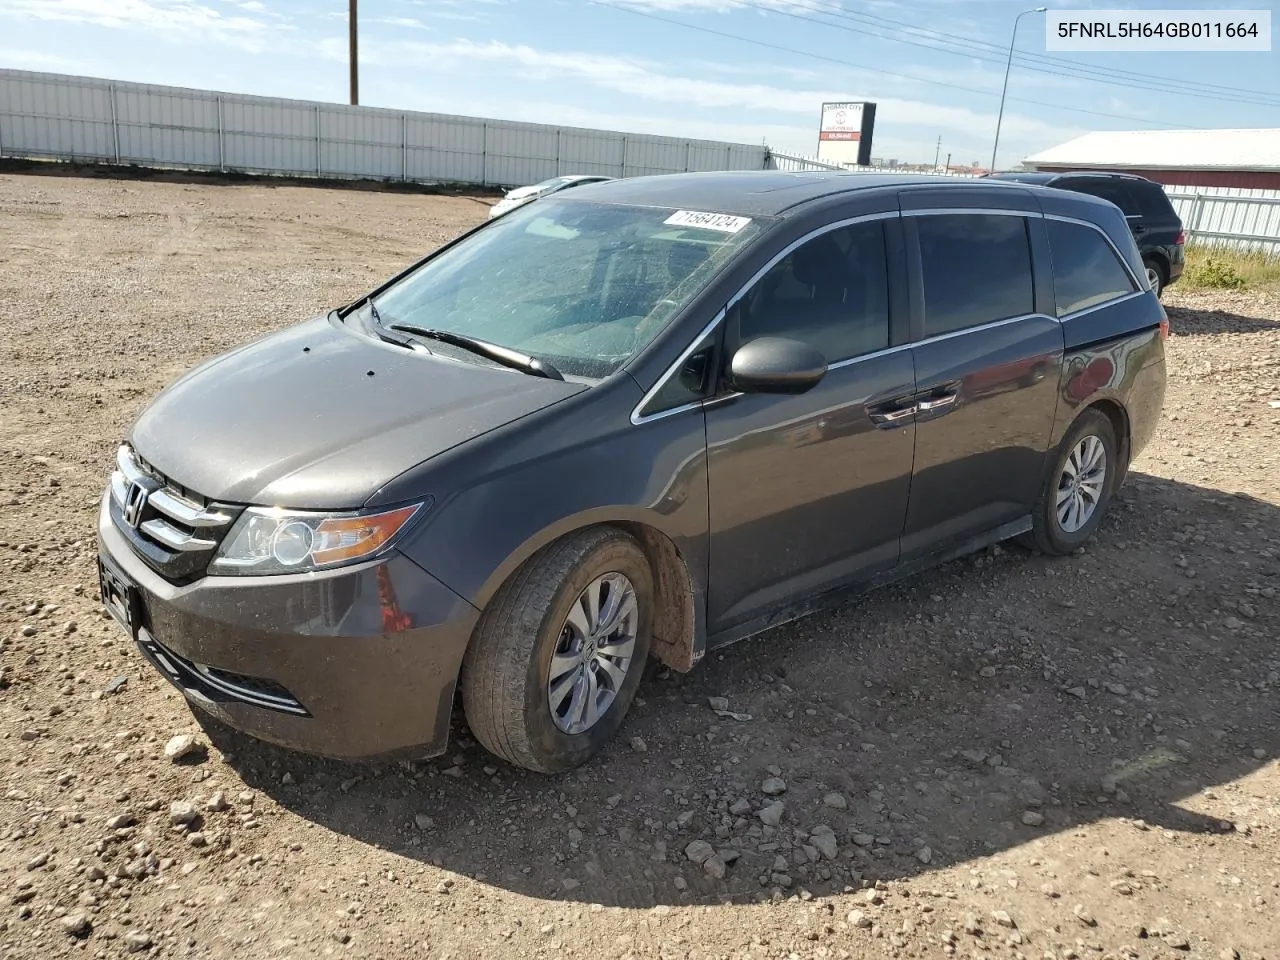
1009 756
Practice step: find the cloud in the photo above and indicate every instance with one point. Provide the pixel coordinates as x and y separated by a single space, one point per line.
647 81
177 19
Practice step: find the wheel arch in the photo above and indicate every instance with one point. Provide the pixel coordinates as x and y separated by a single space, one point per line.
678 635
1115 411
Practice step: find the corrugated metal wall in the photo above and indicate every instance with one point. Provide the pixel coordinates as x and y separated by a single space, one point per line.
78 118
1230 217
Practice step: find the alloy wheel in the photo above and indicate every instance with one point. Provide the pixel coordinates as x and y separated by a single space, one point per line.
594 654
1153 279
1080 484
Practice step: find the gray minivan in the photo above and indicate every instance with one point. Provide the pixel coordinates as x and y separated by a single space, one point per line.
645 419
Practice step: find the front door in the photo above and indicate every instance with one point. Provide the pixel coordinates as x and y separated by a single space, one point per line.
809 490
987 374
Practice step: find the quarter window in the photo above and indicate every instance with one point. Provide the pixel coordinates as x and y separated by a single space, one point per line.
1086 271
1107 189
977 269
831 292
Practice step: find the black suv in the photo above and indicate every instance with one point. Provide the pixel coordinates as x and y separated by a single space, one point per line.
1155 224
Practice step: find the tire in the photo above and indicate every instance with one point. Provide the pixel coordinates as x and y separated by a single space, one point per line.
506 673
1049 533
1156 275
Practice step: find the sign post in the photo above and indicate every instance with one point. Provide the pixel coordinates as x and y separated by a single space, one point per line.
844 134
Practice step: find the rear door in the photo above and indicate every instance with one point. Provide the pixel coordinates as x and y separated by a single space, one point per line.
987 360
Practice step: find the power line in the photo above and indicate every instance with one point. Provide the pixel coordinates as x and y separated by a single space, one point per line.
1027 58
1145 86
890 73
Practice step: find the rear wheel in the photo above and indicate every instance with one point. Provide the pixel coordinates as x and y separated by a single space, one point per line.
558 654
1078 487
1156 277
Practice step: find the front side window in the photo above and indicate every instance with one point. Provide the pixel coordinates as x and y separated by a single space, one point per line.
1086 271
831 293
584 286
977 269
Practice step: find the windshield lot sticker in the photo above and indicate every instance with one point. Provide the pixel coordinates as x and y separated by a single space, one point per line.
721 222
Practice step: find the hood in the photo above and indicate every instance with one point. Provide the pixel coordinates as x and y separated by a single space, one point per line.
318 416
519 193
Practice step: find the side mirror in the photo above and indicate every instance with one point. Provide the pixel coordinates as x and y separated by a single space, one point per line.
776 365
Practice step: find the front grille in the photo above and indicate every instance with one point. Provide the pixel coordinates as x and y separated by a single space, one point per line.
175 530
218 685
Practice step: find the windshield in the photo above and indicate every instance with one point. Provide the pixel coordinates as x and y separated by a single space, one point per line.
582 285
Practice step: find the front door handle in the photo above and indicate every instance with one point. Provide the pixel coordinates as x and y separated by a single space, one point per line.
890 418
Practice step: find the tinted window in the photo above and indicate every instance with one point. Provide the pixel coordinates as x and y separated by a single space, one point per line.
1086 271
977 269
1155 203
1114 190
832 293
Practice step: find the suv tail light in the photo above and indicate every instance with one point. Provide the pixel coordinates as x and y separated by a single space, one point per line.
1164 323
1182 238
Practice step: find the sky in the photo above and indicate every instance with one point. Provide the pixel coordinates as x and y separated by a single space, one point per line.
740 70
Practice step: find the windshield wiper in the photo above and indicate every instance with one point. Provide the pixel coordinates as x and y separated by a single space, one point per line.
492 351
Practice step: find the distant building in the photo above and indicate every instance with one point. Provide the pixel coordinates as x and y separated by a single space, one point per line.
1192 158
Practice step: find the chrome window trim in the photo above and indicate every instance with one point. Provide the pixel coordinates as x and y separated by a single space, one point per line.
1102 306
637 418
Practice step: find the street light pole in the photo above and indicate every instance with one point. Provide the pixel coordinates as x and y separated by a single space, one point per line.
355 66
1000 117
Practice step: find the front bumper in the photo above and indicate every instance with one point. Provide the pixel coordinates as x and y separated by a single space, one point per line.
355 663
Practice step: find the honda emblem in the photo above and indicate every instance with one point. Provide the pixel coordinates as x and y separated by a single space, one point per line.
135 499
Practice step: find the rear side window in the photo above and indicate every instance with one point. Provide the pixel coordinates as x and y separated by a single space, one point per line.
1155 203
977 269
1086 271
1114 190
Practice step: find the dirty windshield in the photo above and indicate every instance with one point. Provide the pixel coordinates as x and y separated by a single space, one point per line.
582 285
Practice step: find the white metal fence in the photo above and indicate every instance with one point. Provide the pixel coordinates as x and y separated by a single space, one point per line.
783 161
78 118
1230 217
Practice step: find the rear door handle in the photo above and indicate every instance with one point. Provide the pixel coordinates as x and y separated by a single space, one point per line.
892 412
936 403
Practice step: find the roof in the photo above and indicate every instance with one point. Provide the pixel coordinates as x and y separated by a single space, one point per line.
1254 149
759 193
1045 179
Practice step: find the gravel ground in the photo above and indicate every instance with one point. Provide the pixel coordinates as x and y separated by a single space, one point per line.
1008 756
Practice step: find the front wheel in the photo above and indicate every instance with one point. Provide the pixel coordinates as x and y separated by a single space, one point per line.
558 654
1078 487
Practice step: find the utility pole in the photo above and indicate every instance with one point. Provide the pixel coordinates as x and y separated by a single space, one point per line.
937 153
355 66
947 169
1007 67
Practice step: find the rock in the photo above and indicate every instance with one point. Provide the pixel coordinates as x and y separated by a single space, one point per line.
718 703
1002 917
217 803
136 941
1259 753
857 918
182 813
1077 692
76 925
29 630
740 807
121 820
182 746
972 926
863 839
987 672
116 685
729 856
288 779
1084 916
771 815
773 787
835 801
715 867
924 854
698 851
1033 818
638 745
1177 942
422 821
38 861
826 844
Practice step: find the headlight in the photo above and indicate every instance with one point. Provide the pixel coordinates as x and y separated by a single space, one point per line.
267 540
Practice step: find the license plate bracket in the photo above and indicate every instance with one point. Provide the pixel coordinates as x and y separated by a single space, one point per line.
119 596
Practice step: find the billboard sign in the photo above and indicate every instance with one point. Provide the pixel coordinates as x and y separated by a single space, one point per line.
844 134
